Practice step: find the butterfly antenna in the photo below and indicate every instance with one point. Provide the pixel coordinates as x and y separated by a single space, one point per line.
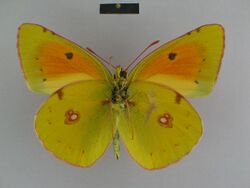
110 64
104 60
149 46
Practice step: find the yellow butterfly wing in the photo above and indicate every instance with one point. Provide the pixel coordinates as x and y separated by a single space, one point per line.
50 61
75 122
160 126
188 64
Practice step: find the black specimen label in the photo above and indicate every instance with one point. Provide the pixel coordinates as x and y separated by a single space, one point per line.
119 8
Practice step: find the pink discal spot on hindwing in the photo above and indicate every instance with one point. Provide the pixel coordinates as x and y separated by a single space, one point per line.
165 120
71 117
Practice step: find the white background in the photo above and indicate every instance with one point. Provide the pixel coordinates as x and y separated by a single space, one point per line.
222 157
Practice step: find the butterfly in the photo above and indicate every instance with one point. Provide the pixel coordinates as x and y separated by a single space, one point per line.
146 108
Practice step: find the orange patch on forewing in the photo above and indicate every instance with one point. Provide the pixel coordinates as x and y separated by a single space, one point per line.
183 61
71 117
56 59
165 120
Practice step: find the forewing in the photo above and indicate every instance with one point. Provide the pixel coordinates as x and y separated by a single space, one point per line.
50 61
188 64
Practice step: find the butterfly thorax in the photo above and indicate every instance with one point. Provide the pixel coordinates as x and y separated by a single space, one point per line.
119 91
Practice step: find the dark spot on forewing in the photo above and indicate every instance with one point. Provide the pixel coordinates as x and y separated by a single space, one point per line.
172 56
196 82
45 79
69 55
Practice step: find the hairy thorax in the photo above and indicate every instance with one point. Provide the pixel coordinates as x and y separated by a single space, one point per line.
120 87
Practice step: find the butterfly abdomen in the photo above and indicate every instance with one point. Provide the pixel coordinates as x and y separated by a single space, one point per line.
116 145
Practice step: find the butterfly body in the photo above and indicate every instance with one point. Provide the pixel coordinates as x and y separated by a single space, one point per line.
146 108
119 103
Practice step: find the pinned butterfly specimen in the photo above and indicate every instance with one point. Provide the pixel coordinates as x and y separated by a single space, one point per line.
147 108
